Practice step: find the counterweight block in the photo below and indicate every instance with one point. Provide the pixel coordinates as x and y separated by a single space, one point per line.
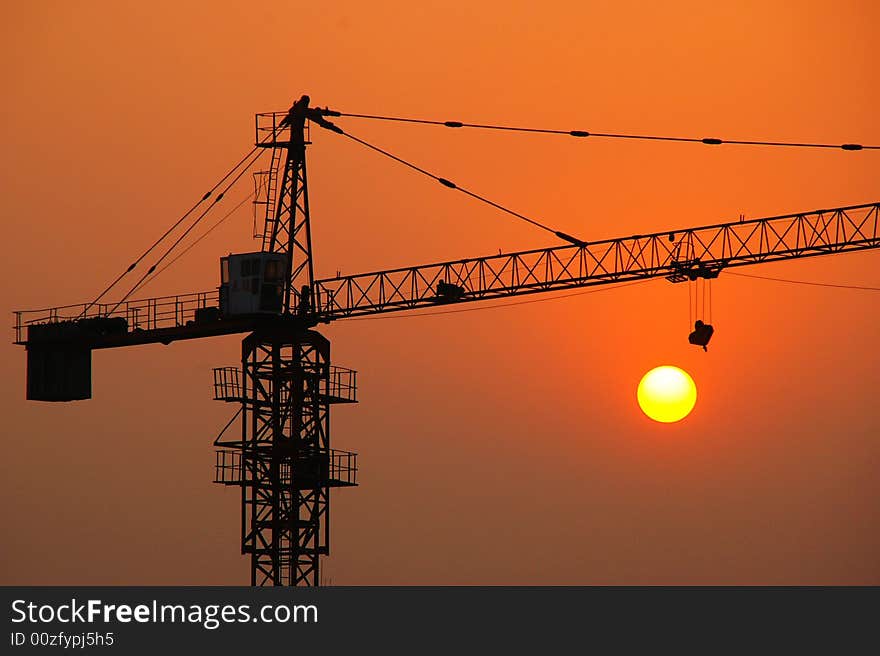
58 374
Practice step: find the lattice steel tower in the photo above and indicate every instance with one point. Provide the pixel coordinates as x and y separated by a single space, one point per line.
283 462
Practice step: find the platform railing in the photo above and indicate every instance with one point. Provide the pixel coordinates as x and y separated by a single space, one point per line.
341 385
341 470
227 384
227 467
269 130
141 314
343 467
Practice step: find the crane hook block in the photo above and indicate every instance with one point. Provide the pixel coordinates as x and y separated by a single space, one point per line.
701 334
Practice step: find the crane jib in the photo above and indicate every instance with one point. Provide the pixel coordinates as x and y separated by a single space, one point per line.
677 255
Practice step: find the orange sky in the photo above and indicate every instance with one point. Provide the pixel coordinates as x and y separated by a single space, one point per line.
497 447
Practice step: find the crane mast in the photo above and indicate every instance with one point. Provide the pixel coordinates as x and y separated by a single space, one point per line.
281 458
287 228
282 462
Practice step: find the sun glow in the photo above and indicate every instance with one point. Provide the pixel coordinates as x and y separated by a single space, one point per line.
667 394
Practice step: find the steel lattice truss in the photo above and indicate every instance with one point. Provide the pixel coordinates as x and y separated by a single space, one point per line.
679 255
285 425
288 231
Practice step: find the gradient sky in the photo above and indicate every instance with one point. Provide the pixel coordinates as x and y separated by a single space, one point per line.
497 447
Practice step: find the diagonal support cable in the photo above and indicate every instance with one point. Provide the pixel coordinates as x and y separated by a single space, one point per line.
448 183
709 141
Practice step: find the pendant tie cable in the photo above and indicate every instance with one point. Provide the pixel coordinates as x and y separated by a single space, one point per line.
448 183
183 235
318 116
709 141
186 250
173 226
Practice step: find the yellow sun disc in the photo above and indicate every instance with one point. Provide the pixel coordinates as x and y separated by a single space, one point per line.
667 394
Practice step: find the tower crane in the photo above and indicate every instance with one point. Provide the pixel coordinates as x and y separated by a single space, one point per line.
281 458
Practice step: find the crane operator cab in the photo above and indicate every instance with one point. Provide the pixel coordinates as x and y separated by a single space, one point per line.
701 334
252 283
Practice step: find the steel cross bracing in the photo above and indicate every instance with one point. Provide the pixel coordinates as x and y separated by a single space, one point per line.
678 255
288 229
283 462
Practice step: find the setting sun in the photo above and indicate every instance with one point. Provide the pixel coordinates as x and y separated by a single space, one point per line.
667 394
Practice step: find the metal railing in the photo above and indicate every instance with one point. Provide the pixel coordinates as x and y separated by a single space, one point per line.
142 314
227 384
227 467
268 131
341 386
341 468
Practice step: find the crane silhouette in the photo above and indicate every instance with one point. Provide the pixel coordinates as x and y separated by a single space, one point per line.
281 458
